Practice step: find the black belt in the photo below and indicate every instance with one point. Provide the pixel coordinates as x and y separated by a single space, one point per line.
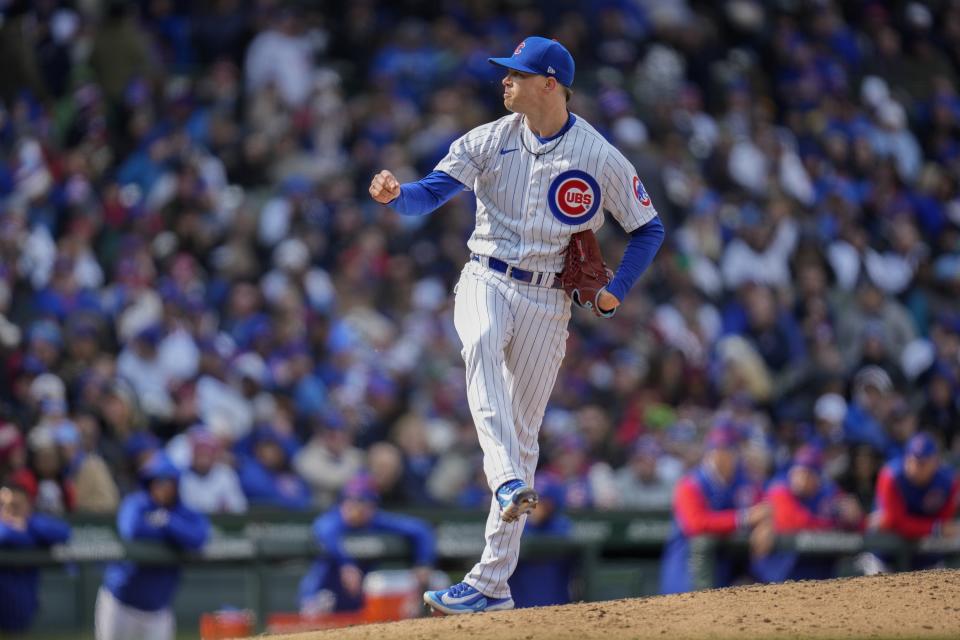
530 277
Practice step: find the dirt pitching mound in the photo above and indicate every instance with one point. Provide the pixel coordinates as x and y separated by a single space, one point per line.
923 604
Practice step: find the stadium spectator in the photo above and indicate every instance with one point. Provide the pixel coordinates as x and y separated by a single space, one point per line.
941 409
335 581
328 460
644 483
570 464
56 493
265 473
135 599
386 470
804 500
870 410
141 365
871 315
762 250
410 435
13 460
120 51
860 478
207 485
829 411
281 58
716 498
22 528
94 488
123 439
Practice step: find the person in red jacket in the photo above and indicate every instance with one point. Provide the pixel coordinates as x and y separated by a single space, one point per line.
717 498
803 500
917 494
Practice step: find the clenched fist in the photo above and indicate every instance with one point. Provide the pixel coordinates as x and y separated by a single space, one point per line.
384 188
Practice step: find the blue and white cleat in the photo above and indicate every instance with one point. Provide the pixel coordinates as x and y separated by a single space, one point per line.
516 499
462 598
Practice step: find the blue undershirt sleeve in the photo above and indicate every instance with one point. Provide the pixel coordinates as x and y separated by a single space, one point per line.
644 243
425 195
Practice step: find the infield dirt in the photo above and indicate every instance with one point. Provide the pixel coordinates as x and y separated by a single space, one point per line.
924 604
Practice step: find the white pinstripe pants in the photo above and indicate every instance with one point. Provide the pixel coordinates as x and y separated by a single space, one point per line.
114 620
514 336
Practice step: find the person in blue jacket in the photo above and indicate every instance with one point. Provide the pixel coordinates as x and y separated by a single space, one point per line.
804 499
134 601
540 582
265 473
334 582
917 496
717 498
20 528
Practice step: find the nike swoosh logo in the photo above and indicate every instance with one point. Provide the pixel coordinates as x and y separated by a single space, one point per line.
504 152
446 599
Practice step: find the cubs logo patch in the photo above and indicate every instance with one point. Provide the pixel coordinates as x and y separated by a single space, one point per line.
640 192
519 48
574 197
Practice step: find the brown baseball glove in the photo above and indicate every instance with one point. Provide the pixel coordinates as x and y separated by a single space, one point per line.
585 273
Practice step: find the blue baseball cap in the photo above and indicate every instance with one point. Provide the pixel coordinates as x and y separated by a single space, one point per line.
810 457
360 487
158 467
542 57
723 435
921 446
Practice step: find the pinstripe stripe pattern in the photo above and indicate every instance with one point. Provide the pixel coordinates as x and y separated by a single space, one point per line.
514 334
513 220
514 337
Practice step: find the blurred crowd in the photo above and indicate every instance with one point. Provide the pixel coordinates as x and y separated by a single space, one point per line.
189 261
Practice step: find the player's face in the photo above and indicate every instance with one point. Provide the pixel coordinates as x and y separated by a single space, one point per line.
270 455
803 482
724 460
163 491
13 505
518 90
357 513
203 459
920 471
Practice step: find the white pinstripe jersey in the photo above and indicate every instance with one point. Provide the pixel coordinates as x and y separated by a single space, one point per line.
528 206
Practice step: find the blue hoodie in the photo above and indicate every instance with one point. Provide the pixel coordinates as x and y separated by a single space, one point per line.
152 587
19 585
330 529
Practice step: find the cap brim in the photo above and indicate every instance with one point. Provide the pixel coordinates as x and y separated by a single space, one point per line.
510 63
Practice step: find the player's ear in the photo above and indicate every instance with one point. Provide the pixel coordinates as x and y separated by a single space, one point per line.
550 85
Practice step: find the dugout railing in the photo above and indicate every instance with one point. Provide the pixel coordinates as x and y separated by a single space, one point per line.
254 561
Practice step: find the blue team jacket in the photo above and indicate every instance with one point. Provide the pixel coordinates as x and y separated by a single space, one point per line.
330 529
716 506
151 588
19 585
783 565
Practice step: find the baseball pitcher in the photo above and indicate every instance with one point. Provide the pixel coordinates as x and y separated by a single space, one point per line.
542 177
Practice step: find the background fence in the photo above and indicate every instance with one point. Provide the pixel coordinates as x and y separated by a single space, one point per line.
256 561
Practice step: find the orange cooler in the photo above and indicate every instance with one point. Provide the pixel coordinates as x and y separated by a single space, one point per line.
222 625
391 595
